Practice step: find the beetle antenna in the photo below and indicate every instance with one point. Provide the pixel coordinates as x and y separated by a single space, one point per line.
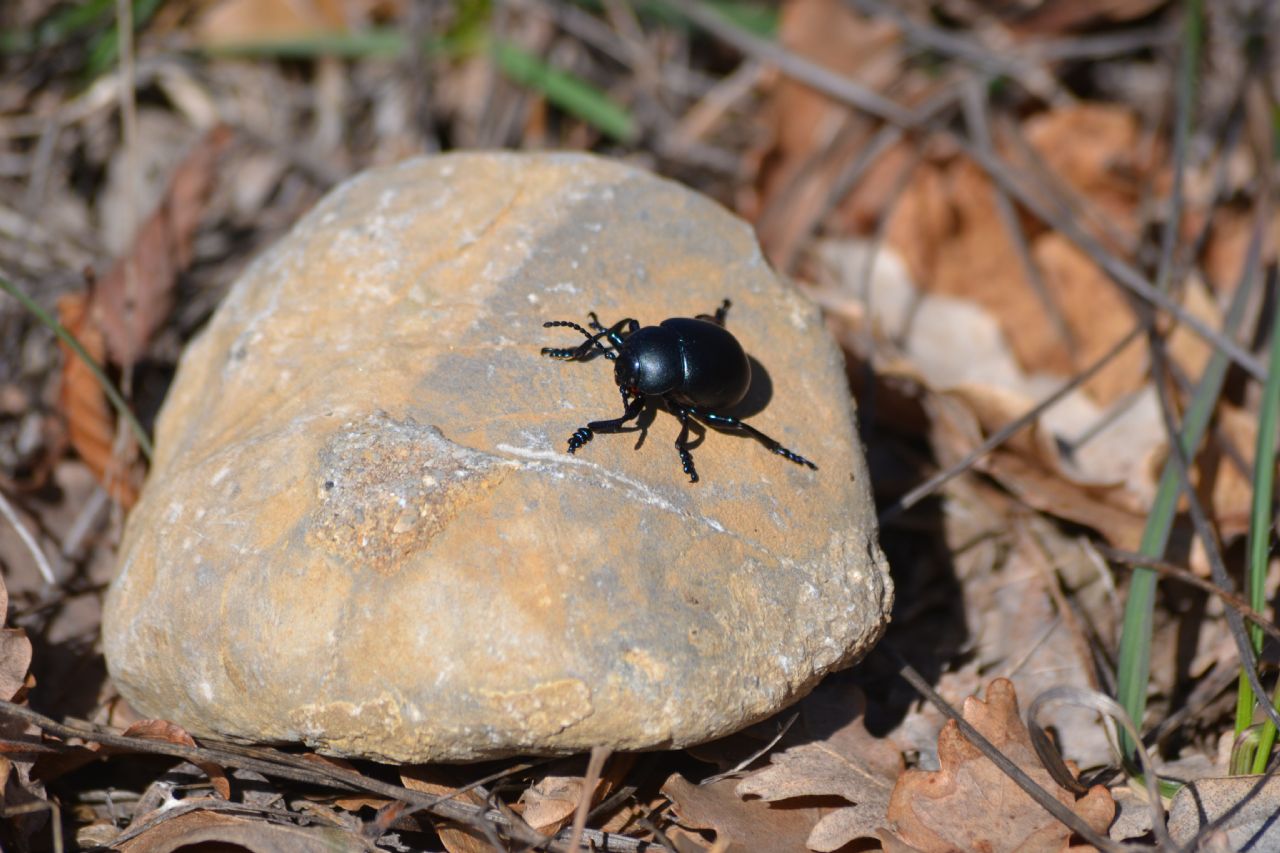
579 351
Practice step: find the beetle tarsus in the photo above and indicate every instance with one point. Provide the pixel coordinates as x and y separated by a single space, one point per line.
682 445
579 438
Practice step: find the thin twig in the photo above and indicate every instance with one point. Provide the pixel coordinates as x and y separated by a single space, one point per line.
318 774
29 540
599 755
1003 434
975 112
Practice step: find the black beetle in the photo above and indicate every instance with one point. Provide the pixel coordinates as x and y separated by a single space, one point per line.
693 364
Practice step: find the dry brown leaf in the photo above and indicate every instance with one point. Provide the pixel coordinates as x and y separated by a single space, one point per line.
1028 465
163 730
134 298
91 425
442 782
847 762
207 830
1226 489
228 22
1056 17
813 138
1095 311
969 804
15 660
741 826
1094 149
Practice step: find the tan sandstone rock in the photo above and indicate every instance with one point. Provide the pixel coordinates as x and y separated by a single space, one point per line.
362 530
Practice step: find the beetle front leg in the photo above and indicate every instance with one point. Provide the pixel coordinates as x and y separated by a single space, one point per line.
584 434
727 422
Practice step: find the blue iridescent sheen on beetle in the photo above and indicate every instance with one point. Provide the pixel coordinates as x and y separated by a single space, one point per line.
694 365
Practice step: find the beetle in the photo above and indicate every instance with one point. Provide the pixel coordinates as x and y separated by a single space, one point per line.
694 365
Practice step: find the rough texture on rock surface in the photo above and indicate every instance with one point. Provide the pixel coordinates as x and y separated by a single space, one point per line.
362 530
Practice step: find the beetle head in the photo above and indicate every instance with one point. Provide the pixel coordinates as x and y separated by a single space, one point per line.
650 362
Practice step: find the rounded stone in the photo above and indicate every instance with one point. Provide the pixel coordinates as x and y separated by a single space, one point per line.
362 531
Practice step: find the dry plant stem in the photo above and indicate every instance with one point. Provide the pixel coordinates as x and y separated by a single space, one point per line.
599 755
975 112
108 387
325 775
838 87
993 63
29 540
1046 800
746 762
1132 560
1003 434
820 78
1102 45
1188 61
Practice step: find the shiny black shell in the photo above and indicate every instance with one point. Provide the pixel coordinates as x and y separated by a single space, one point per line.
698 362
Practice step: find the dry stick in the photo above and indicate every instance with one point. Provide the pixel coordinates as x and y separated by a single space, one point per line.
325 775
997 438
1132 560
1046 800
881 143
1013 65
836 86
830 82
975 111
42 562
599 755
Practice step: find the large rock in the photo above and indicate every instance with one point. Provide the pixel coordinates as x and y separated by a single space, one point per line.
362 530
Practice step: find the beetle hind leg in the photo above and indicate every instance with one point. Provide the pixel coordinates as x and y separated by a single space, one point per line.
682 445
719 316
727 422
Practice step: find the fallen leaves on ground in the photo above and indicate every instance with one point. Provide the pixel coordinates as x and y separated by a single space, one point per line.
163 730
846 761
180 829
132 301
91 425
116 319
18 790
970 804
739 826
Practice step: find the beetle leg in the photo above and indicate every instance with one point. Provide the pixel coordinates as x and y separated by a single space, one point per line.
682 444
718 319
727 422
614 331
584 434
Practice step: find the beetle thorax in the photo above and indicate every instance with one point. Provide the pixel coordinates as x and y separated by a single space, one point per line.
650 362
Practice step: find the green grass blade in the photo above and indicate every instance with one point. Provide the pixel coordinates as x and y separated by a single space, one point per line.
567 91
1134 664
1264 469
108 387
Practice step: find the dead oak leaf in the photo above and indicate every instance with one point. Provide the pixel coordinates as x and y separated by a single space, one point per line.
167 732
740 826
970 804
845 761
